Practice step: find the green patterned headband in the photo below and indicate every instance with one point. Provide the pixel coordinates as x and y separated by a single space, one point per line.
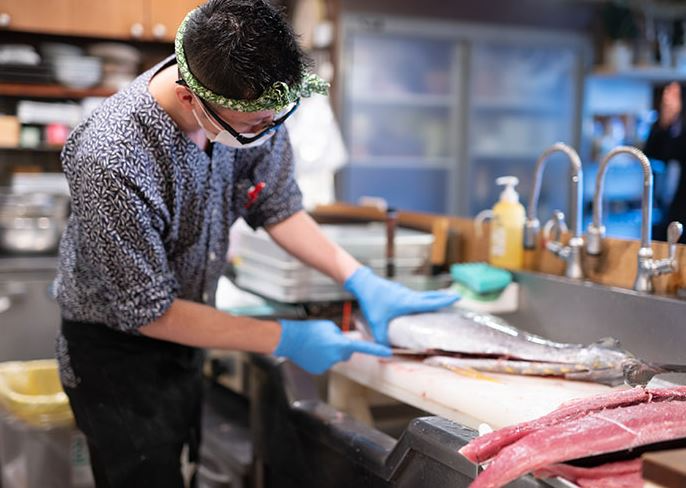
277 97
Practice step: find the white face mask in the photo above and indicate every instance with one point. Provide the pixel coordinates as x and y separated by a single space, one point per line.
224 136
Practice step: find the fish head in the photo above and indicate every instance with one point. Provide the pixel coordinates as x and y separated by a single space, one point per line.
638 373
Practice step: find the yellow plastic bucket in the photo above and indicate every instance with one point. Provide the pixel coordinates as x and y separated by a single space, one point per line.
31 391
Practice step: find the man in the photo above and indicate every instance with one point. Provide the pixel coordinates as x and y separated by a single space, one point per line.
157 175
667 141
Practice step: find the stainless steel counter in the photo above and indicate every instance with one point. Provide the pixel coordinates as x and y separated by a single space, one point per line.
29 316
302 441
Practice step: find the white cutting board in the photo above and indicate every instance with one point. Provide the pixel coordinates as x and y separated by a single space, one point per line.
501 400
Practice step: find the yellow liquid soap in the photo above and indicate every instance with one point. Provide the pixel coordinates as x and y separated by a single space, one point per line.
507 228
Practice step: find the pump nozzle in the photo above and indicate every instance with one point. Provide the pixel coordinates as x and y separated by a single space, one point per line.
509 194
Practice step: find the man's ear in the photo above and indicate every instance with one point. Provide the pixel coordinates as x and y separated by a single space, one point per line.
185 97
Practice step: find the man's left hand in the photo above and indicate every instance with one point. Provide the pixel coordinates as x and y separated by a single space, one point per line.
382 300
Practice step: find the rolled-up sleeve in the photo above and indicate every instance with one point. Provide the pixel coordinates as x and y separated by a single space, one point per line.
272 164
121 245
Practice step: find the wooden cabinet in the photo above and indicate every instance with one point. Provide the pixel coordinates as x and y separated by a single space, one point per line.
165 16
75 17
37 16
122 19
104 19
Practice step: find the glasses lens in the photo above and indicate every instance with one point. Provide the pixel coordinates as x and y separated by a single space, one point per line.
285 112
279 118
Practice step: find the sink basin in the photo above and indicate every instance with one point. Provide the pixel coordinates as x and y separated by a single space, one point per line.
652 327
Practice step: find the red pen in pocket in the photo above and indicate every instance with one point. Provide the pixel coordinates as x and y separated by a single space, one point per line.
254 193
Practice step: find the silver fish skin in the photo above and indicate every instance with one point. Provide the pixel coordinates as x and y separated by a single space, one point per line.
508 366
482 334
579 372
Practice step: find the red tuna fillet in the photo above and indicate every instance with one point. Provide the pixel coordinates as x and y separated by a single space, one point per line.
573 473
597 433
485 447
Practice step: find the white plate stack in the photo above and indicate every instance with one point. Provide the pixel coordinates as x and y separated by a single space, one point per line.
70 66
266 269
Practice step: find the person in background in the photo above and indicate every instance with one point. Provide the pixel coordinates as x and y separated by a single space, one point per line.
667 142
158 174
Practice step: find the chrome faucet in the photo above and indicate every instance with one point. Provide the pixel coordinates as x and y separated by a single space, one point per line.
647 266
571 253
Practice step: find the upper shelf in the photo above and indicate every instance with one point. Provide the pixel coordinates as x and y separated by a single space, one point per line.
52 91
405 99
550 107
654 74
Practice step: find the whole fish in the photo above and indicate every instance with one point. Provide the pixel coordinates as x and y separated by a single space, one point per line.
491 344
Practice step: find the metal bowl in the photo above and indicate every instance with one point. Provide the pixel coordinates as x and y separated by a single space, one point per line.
32 223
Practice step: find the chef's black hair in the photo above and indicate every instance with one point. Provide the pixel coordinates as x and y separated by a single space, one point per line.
240 48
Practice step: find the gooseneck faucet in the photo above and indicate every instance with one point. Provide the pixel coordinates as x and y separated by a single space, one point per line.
572 252
647 266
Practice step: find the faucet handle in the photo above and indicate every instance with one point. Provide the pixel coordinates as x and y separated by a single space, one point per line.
674 233
556 224
552 233
670 264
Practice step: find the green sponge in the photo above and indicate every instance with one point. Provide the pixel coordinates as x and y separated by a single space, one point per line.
480 277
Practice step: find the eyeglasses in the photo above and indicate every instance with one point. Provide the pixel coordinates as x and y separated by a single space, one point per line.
279 119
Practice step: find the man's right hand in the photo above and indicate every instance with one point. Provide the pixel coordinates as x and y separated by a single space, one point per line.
670 108
316 345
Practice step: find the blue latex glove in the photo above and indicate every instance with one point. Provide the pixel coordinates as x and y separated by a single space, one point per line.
382 300
316 345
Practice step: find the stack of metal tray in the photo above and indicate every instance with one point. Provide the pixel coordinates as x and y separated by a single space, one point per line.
266 269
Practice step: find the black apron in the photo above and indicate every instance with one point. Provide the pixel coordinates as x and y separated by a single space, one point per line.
137 400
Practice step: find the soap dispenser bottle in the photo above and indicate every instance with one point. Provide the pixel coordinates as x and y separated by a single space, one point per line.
507 226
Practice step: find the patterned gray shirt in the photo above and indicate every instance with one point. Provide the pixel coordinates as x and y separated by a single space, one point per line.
151 211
